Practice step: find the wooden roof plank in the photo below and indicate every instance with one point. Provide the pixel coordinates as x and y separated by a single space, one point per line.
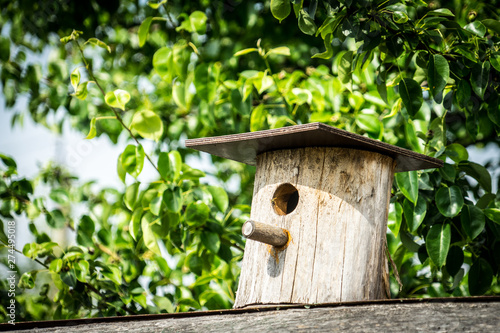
245 147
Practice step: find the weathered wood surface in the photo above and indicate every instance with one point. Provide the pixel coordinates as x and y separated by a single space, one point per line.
337 230
264 233
404 317
245 147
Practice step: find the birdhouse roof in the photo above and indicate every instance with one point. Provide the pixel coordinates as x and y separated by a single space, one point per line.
245 147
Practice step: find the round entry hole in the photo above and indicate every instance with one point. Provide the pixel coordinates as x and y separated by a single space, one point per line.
285 199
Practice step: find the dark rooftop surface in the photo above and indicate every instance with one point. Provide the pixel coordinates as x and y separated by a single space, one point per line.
245 147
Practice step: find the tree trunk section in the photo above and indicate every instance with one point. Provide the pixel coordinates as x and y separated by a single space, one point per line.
337 229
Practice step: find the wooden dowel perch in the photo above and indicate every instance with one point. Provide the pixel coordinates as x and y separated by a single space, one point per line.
264 233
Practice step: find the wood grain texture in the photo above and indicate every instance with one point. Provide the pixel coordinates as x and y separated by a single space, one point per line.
388 318
264 233
337 230
245 147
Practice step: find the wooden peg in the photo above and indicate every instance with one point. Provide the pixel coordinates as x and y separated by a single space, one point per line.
264 233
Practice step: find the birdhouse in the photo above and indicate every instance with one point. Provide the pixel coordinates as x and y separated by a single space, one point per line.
318 221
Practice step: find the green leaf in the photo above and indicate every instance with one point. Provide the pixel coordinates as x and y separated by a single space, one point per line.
397 217
4 49
438 243
480 277
81 91
220 197
454 260
328 46
131 194
495 62
156 5
135 223
382 88
97 42
438 133
493 214
59 195
194 263
86 225
164 304
262 82
211 241
399 17
205 81
408 242
3 237
485 200
113 274
8 161
345 67
412 136
92 131
282 50
408 184
414 214
69 278
117 98
133 160
85 231
155 205
245 51
120 170
449 200
75 78
473 221
163 61
164 166
438 74
56 219
478 172
27 280
477 28
213 300
463 93
148 235
448 172
258 118
369 123
411 94
81 270
148 124
144 30
306 23
280 9
198 21
480 75
174 165
492 25
457 152
197 213
225 253
173 199
56 265
441 12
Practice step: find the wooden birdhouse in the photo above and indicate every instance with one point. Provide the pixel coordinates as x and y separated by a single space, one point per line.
318 220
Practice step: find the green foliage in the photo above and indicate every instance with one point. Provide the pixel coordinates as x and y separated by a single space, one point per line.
420 76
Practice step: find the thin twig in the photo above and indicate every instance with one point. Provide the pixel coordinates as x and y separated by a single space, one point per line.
394 267
276 83
118 117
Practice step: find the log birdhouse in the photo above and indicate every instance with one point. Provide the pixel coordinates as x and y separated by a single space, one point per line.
318 220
